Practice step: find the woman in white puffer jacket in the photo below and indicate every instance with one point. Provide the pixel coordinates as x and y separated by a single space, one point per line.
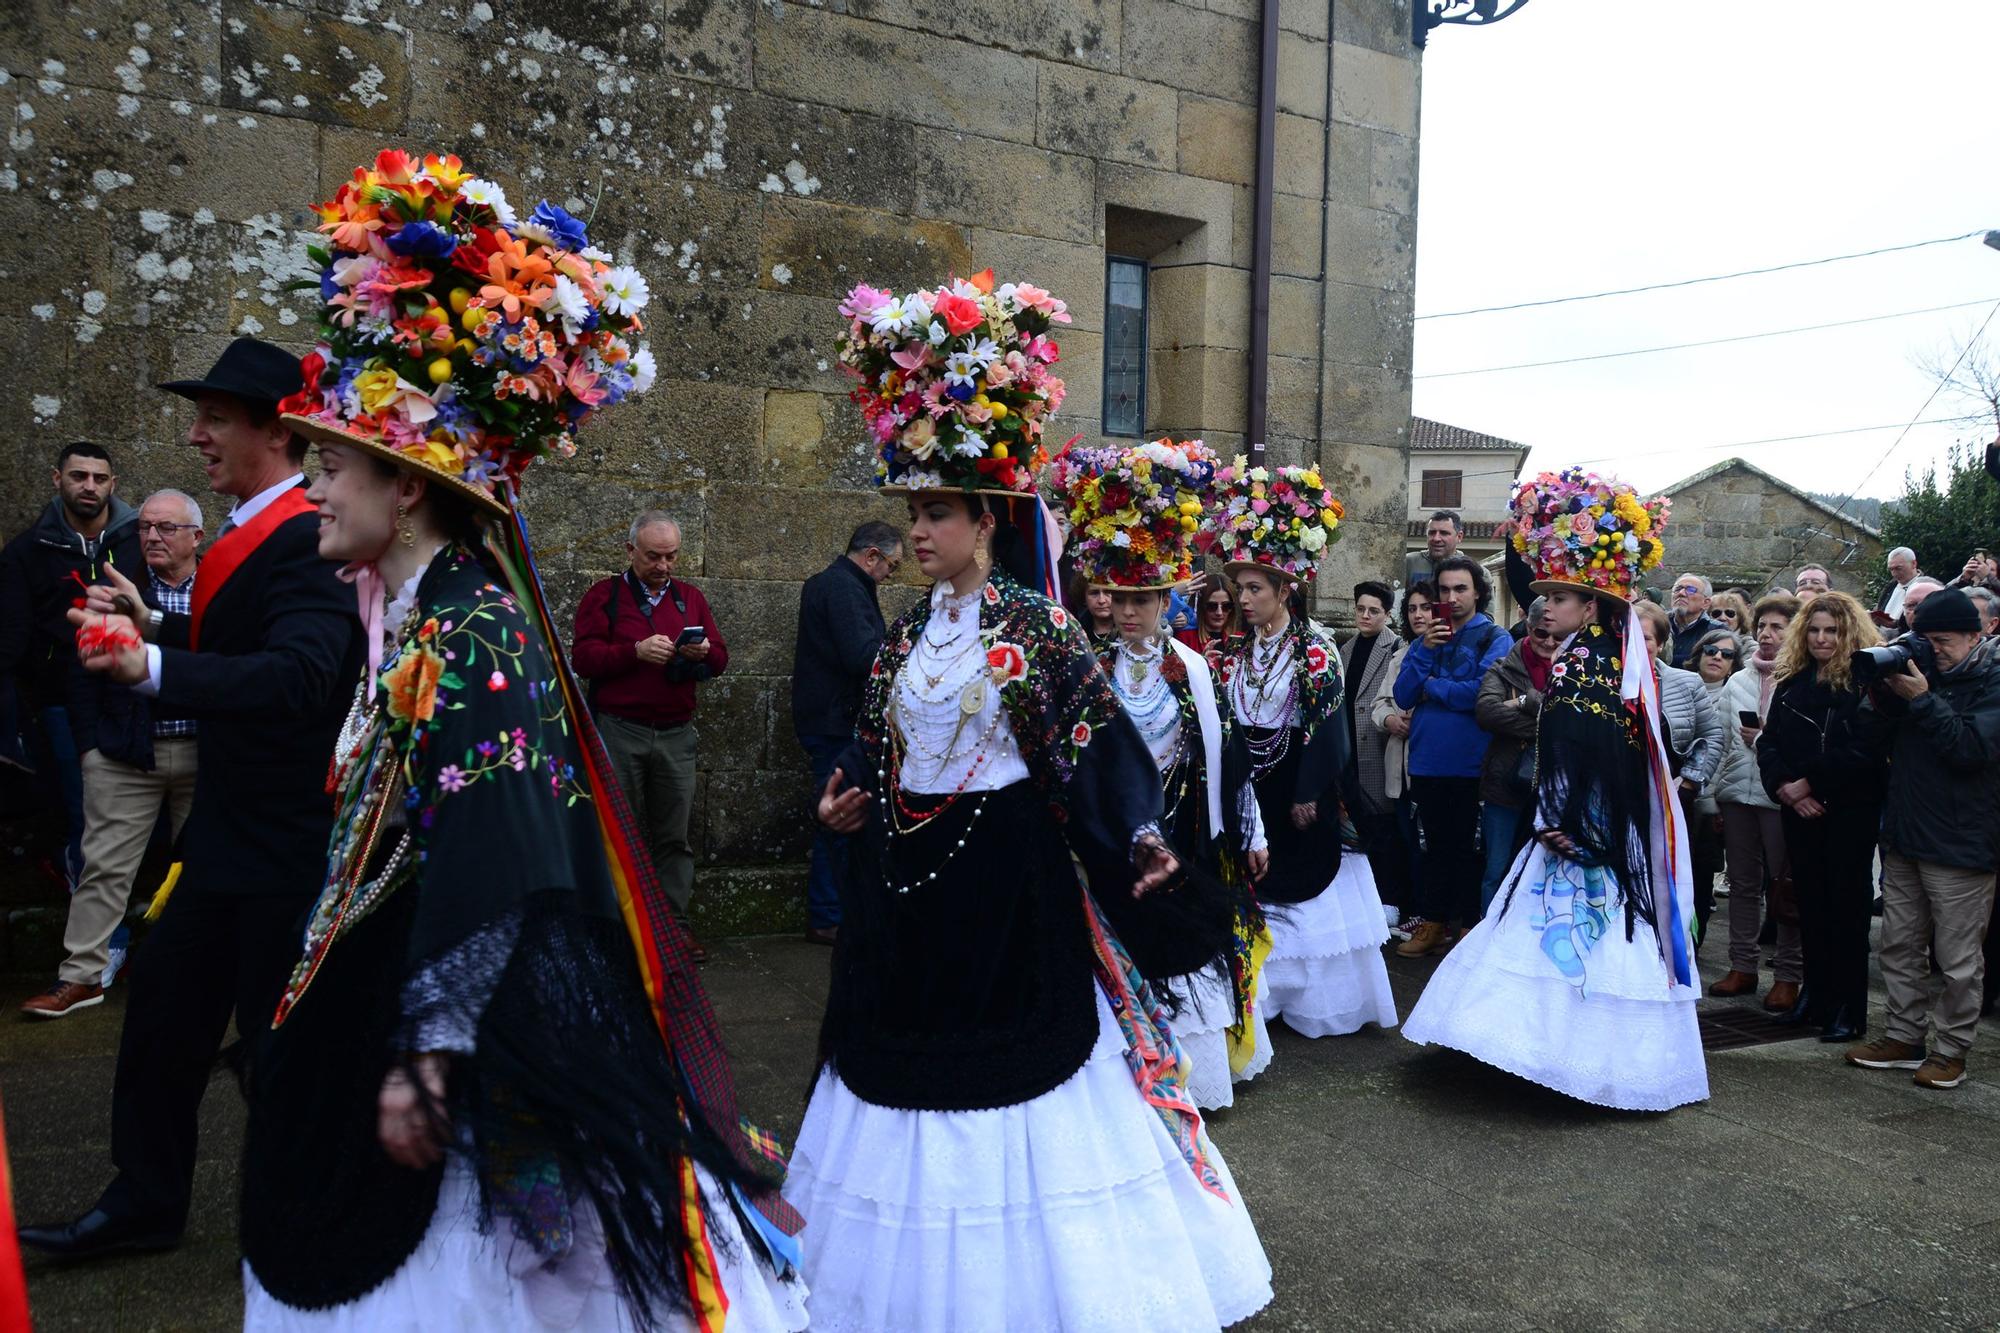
1753 839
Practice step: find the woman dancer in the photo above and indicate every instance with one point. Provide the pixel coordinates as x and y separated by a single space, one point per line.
991 1143
1580 975
1132 523
465 1113
1325 975
1823 759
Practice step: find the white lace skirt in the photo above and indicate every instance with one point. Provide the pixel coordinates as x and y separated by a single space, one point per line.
1326 974
1073 1211
1626 1039
1202 1027
462 1281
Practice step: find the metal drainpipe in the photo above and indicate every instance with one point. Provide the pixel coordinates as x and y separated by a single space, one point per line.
1260 249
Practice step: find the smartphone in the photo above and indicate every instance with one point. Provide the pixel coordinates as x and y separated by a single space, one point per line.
692 634
1749 719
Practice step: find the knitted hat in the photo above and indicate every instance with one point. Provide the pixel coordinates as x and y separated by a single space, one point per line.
1277 519
1948 611
1577 529
954 383
1134 512
457 340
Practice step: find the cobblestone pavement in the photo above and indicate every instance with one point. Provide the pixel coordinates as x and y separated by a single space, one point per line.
1394 1187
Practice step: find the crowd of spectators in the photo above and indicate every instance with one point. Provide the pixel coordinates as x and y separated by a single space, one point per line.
1808 780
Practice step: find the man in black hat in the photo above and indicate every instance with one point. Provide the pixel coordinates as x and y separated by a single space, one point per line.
1940 842
265 661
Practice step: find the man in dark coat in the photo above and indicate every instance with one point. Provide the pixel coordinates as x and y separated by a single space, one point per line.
84 528
266 660
840 629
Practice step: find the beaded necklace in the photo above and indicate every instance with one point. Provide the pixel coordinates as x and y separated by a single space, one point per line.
1251 692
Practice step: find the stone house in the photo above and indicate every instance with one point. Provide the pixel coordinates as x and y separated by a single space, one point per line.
1472 474
1743 528
755 160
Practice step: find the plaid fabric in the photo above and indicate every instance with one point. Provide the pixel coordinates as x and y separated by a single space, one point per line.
687 1023
175 599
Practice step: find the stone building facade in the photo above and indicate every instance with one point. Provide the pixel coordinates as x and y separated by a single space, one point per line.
1745 529
755 159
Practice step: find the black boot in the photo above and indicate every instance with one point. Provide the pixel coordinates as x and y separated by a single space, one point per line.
1800 1012
1848 1023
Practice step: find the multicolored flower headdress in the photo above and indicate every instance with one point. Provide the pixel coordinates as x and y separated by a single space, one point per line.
1275 518
457 339
954 383
1134 512
1577 528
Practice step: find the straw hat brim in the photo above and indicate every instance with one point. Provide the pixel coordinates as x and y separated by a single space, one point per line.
1241 566
1140 587
325 433
1543 587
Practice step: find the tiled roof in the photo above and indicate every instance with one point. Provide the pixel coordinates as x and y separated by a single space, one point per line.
1426 434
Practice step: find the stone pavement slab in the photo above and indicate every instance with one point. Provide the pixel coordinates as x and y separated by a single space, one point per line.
1394 1187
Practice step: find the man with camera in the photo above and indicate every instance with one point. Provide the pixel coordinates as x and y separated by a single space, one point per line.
644 640
1939 689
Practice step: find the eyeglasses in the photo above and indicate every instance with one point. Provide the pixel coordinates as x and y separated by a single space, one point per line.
1540 635
1717 650
1691 589
167 529
1724 613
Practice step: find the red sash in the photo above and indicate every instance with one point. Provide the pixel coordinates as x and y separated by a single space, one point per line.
234 547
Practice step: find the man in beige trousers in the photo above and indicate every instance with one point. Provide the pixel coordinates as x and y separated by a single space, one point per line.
136 755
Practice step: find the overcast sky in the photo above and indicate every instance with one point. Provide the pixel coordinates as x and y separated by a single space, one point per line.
1582 145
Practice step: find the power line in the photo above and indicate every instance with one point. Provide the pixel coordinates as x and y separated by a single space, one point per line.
1693 282
1747 444
1706 342
1936 389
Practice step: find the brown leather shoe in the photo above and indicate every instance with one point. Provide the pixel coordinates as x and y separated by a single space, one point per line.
1735 983
1783 996
62 999
827 935
1427 939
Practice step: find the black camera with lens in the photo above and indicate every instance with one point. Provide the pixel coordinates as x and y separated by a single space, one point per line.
1872 664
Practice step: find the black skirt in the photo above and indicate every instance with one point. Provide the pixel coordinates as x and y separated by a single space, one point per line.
1303 861
973 989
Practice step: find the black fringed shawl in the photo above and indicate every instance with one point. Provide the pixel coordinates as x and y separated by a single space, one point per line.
1590 767
494 935
976 991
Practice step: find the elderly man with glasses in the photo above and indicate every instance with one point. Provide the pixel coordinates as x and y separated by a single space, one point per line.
137 753
1692 623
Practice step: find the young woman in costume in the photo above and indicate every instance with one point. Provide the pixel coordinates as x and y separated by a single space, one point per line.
1325 974
1133 516
998 1138
1580 976
485 1101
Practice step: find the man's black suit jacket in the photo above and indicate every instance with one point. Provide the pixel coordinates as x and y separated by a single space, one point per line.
280 653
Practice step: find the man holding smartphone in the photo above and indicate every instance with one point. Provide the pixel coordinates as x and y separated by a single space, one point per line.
644 640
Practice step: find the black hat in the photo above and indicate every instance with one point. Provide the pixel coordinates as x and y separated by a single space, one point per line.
1950 610
257 372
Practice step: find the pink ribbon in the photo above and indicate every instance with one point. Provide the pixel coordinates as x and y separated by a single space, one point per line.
370 592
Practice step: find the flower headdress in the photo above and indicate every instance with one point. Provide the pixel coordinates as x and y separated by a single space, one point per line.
456 338
1576 528
1134 512
954 384
1277 518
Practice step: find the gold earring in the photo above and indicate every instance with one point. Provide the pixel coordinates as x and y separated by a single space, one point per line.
404 531
979 556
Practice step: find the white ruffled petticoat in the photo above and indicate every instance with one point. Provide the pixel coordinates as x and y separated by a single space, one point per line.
461 1281
1325 974
1207 1007
1628 1039
1073 1211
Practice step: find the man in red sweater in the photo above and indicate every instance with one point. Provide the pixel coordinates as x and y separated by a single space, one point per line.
644 640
